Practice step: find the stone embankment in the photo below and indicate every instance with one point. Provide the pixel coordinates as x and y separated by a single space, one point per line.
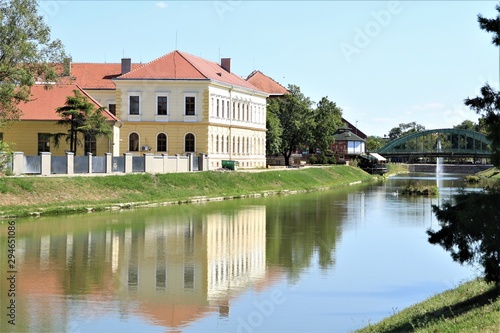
465 169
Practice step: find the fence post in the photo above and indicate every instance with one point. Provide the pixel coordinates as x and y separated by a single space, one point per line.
108 168
177 162
149 163
70 163
45 163
89 157
18 163
190 161
165 161
128 162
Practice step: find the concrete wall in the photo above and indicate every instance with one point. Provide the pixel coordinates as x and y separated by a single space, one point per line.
152 164
449 168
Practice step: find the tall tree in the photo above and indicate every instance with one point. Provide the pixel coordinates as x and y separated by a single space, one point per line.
82 119
295 118
273 135
488 104
470 229
373 143
27 55
405 128
327 119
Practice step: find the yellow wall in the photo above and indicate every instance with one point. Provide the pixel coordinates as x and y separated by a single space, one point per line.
175 136
23 136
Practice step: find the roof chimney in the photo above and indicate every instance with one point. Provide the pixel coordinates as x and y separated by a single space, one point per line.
226 64
126 65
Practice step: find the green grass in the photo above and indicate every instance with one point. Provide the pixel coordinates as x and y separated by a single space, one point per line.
472 307
492 173
24 196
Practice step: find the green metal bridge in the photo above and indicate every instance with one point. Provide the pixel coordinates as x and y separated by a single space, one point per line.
444 142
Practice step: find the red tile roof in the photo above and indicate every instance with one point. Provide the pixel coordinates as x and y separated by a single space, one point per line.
44 102
178 65
266 84
96 76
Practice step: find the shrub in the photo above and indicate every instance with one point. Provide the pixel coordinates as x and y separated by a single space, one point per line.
322 159
470 231
5 158
313 159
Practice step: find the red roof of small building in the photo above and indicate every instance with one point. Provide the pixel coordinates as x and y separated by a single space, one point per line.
266 84
178 65
44 102
96 76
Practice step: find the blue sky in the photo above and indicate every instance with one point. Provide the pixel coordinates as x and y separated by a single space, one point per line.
384 63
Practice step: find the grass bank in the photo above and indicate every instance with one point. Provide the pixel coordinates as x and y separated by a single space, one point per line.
395 169
472 307
25 196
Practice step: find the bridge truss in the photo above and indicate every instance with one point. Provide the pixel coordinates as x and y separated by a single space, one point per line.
444 142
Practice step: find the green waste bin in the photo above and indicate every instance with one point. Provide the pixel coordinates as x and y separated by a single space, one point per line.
231 165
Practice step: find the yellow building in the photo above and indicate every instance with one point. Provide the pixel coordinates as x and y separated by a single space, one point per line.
180 103
32 135
176 104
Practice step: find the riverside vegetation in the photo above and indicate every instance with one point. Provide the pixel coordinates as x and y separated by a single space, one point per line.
28 196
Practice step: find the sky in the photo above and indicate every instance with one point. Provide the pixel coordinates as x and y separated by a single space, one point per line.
382 62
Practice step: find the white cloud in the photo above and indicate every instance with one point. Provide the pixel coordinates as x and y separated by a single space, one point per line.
161 4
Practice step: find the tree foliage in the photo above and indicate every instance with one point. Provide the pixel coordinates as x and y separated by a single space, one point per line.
82 119
488 104
374 143
405 128
27 55
295 117
327 119
470 230
293 123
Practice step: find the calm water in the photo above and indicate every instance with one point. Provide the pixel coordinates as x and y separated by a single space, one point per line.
321 262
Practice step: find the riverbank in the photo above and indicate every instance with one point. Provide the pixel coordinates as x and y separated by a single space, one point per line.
35 196
471 307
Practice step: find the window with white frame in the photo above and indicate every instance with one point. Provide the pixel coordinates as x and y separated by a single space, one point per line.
189 104
134 105
161 104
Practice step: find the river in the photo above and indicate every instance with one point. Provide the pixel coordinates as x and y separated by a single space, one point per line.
330 261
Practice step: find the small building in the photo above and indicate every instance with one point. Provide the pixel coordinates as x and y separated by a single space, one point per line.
347 145
33 133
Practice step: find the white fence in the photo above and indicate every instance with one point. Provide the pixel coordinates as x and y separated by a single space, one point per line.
45 164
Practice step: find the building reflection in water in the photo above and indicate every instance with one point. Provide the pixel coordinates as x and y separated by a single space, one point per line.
171 271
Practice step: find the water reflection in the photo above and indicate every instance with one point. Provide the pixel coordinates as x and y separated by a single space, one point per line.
199 267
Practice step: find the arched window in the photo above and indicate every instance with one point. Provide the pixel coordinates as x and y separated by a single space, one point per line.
133 142
189 143
161 142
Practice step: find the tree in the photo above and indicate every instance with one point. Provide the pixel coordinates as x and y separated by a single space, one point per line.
273 135
327 119
81 117
468 125
295 117
470 230
404 129
374 143
488 104
27 55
